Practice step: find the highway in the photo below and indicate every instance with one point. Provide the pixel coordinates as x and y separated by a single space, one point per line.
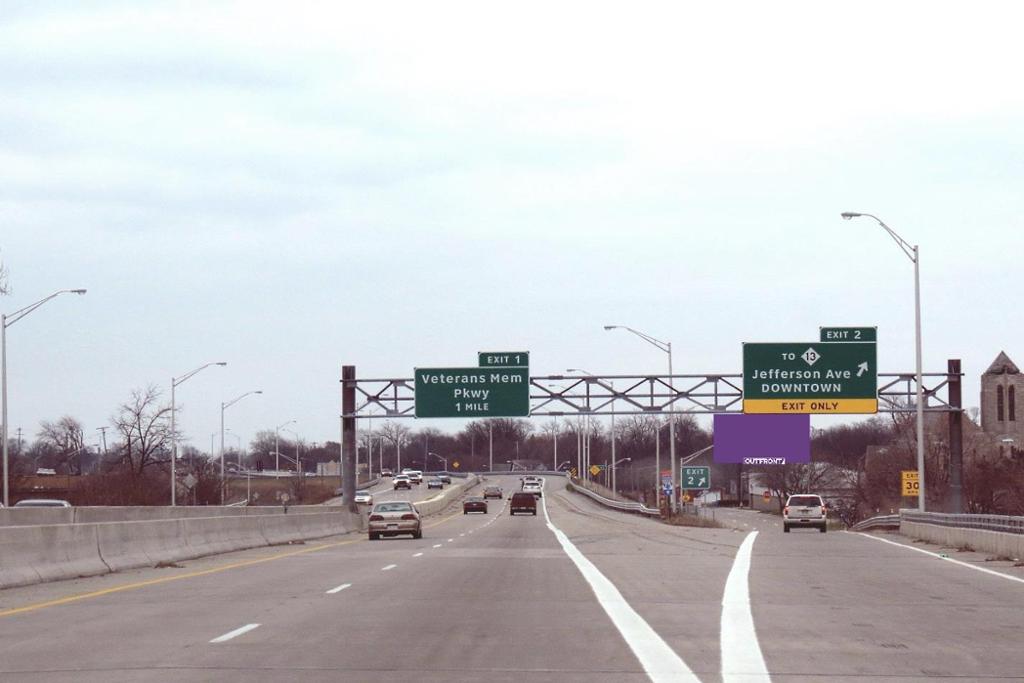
595 596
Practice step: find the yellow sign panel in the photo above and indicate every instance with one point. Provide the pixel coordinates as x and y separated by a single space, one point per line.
817 406
911 483
455 465
687 498
595 470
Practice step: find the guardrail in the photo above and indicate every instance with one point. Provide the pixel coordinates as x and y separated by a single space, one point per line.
1003 523
879 522
625 506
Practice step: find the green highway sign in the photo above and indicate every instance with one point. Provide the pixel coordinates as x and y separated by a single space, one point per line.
849 334
695 478
810 377
504 359
472 392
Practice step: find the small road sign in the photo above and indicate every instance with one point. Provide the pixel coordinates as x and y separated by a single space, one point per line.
573 471
910 483
595 470
849 334
696 478
189 481
810 377
767 495
455 465
504 359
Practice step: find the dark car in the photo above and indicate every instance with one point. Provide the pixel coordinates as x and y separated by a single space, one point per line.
493 492
474 504
523 502
435 483
445 478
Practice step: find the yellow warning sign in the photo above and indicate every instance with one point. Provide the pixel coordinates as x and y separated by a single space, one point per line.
595 470
910 483
455 465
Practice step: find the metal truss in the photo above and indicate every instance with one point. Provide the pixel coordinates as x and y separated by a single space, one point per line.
561 395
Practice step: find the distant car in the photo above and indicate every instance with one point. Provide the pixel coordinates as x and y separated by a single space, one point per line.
445 478
531 479
415 476
523 502
474 504
534 489
493 492
401 481
46 472
393 519
42 503
435 483
805 509
364 498
386 473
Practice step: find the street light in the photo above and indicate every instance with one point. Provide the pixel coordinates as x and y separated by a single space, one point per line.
223 407
667 348
5 322
585 465
175 381
238 440
445 460
298 467
277 447
913 252
615 464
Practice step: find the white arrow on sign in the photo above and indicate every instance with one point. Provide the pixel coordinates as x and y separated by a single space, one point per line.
862 368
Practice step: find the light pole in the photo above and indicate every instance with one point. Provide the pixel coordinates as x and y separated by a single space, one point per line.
175 381
667 348
298 466
443 459
238 440
277 447
615 464
223 407
5 322
586 418
913 252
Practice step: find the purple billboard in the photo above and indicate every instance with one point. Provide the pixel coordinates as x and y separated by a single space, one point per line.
758 439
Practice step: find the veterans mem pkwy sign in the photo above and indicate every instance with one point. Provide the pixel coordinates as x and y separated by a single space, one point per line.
473 392
810 377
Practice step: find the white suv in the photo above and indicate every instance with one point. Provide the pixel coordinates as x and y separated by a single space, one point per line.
804 509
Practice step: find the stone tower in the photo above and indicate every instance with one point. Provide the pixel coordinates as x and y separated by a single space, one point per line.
1002 391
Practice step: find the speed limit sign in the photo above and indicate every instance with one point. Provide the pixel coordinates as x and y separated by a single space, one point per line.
911 483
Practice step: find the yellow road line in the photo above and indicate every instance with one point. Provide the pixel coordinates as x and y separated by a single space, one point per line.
190 575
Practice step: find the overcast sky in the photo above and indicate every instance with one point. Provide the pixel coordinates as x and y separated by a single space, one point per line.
290 187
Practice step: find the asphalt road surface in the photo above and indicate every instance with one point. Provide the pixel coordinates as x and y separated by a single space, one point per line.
595 596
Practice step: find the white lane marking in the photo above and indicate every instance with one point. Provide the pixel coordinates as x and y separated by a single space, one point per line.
339 588
418 555
947 559
741 653
388 568
234 634
659 661
462 534
437 545
451 540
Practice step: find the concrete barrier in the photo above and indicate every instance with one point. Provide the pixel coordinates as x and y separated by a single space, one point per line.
36 553
32 554
440 502
995 542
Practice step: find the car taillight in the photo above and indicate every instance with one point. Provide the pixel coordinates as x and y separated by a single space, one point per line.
785 510
376 518
408 515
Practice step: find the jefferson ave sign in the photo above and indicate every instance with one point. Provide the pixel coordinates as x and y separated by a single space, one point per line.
810 377
473 392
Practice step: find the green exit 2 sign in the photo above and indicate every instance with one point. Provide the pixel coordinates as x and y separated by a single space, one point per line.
849 334
695 478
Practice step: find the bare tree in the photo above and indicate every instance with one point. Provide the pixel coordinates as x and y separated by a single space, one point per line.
144 426
67 437
4 282
397 435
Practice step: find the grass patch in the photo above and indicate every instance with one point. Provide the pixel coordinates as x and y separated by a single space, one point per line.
693 521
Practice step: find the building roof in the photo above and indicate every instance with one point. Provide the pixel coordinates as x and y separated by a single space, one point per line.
1002 365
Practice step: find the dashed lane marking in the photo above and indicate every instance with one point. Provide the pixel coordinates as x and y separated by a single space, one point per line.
388 568
234 634
417 554
339 588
